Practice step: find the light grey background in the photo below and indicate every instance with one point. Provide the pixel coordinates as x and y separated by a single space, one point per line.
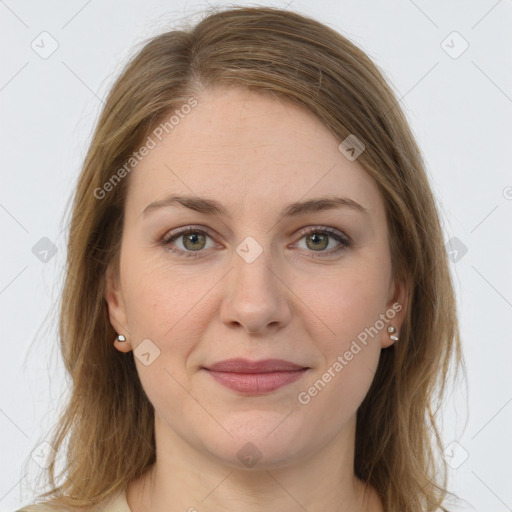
459 107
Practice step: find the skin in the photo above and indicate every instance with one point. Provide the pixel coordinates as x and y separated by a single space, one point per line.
290 303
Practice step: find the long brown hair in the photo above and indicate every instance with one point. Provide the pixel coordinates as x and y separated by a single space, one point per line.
108 423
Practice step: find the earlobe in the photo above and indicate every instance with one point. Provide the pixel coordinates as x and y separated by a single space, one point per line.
121 344
116 310
395 313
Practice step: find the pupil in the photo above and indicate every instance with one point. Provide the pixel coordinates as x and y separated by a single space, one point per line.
318 240
192 240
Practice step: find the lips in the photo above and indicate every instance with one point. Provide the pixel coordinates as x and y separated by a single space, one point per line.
246 366
255 377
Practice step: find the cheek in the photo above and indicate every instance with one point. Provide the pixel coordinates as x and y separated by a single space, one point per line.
170 306
351 304
158 295
351 308
348 300
165 307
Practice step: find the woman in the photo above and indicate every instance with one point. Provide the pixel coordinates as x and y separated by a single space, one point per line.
258 312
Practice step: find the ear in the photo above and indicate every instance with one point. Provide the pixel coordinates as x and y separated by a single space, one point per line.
396 310
116 309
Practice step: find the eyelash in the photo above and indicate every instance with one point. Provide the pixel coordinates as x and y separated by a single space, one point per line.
344 241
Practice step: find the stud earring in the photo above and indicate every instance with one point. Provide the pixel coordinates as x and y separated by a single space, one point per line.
391 330
120 337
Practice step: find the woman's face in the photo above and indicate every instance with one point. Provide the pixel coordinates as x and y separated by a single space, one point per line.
255 279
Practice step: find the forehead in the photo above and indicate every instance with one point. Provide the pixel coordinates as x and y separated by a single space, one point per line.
247 150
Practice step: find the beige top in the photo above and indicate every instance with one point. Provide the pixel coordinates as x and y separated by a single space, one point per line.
117 503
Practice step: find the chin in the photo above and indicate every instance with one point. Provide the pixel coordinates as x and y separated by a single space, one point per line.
261 441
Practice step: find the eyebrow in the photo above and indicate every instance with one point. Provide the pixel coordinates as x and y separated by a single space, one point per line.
212 207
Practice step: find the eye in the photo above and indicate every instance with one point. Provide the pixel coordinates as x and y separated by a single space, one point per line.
192 239
318 239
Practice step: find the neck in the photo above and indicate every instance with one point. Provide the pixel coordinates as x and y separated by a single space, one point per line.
184 479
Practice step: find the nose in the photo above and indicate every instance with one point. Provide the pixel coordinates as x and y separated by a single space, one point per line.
256 297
